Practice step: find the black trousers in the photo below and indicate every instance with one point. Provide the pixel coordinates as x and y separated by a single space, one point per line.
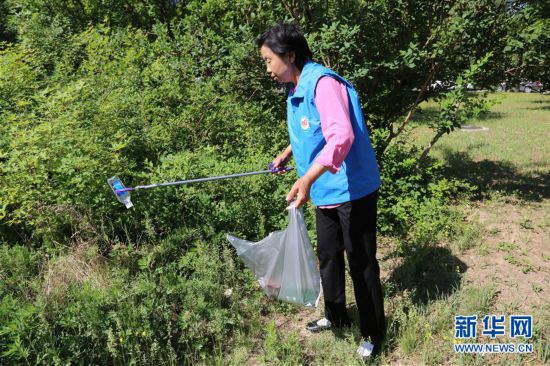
351 227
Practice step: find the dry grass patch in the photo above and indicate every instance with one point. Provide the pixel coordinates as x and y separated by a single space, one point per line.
81 265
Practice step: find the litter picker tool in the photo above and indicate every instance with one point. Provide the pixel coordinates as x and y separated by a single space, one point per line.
122 193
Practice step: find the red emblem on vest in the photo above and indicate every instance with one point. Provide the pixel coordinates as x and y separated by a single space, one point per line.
304 123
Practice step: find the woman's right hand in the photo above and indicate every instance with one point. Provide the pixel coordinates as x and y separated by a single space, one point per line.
282 159
279 163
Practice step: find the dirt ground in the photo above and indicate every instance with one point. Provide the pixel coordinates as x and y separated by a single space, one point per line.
515 254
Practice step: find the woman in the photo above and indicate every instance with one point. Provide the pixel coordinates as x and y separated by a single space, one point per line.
338 171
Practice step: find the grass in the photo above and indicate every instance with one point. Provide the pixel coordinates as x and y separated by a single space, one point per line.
510 163
519 262
470 236
537 288
425 287
506 247
512 157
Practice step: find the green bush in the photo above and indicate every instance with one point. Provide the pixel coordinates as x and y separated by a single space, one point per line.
170 304
127 115
413 201
19 267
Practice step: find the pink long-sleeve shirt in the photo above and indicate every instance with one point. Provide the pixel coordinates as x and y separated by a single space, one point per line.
331 99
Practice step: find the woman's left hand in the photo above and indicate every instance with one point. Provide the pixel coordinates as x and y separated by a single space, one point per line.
300 189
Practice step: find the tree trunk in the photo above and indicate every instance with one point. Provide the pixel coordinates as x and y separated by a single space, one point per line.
429 147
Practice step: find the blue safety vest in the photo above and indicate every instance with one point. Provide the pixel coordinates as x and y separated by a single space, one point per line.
358 176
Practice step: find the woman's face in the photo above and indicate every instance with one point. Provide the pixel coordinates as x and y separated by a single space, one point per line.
281 69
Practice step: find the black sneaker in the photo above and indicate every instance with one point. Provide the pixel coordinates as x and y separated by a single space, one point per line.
319 325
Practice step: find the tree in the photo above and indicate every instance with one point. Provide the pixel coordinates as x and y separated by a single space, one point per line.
527 45
7 31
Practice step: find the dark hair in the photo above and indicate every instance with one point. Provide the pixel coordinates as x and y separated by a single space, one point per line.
285 38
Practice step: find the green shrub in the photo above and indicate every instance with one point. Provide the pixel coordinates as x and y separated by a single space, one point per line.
19 266
281 350
414 201
173 305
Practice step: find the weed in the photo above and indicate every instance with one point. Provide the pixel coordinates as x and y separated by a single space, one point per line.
476 300
506 247
280 348
541 333
524 264
410 337
536 288
470 237
82 264
526 223
526 269
513 260
484 249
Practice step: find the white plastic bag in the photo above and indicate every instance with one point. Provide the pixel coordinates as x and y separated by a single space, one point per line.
284 262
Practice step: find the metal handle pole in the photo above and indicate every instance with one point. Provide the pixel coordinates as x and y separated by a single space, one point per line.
199 180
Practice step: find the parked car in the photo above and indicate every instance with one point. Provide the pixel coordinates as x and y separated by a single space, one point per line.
440 85
530 86
524 86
